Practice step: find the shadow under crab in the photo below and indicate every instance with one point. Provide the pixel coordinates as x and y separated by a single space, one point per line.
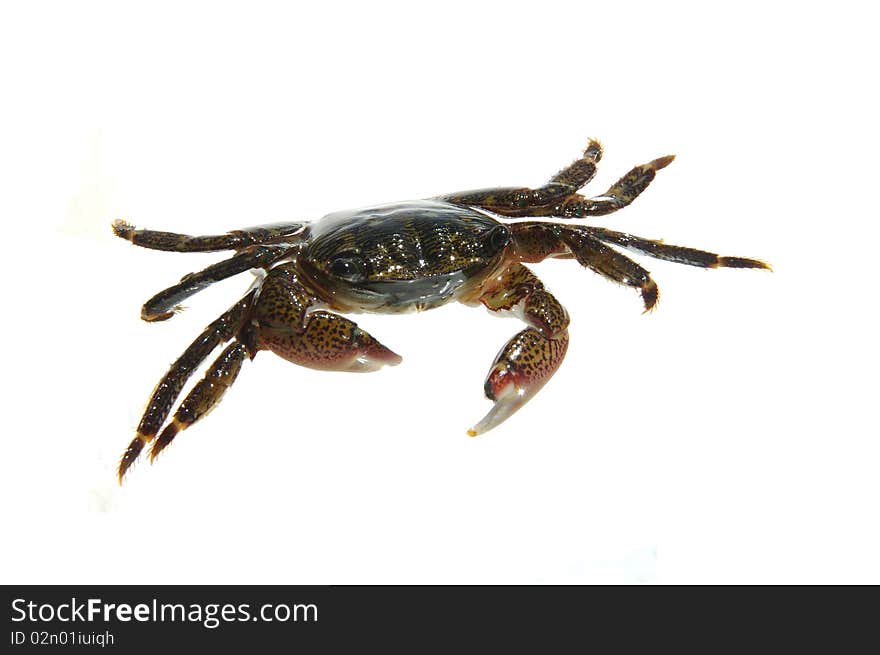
401 257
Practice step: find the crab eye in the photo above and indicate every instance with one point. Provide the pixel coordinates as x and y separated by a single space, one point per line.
350 268
497 238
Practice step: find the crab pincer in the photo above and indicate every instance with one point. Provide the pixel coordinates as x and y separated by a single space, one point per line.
520 370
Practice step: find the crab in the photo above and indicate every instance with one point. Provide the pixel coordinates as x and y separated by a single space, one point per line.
401 257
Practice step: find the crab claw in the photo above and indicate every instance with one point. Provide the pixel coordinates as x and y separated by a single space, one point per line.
502 388
330 342
522 367
371 355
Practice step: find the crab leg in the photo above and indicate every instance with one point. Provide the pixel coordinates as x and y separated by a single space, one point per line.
557 198
579 172
166 392
234 240
531 357
162 306
619 195
606 261
670 253
205 395
523 201
534 242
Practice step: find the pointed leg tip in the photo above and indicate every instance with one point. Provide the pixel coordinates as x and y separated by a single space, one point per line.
662 162
593 150
472 432
124 464
122 228
131 454
155 318
650 296
742 262
166 437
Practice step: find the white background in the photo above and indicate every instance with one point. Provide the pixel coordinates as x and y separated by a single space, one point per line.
729 436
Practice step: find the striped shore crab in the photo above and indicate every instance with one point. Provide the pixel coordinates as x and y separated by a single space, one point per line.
401 257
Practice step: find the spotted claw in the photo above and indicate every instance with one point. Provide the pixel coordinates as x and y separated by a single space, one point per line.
522 367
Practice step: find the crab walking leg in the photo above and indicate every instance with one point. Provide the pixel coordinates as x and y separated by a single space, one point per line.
329 342
531 357
670 253
170 386
163 305
618 196
535 242
606 261
205 395
580 171
523 201
234 240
